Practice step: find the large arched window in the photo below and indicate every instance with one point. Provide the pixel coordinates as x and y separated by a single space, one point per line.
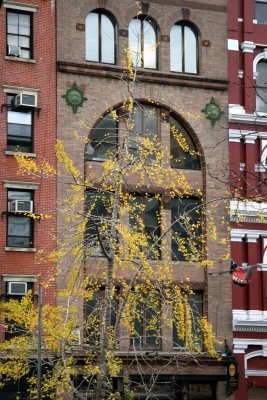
143 42
261 86
184 48
100 37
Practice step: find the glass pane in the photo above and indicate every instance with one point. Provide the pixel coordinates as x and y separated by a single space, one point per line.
150 45
261 12
16 195
19 130
176 48
12 40
24 24
190 51
181 156
135 41
25 54
107 40
12 23
137 131
261 69
152 227
24 41
15 117
103 141
92 37
261 99
19 226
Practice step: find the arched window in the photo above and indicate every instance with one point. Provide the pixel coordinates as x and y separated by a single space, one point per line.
100 37
261 86
183 151
143 42
184 48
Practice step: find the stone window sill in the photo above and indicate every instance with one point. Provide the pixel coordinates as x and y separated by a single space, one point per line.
23 249
26 60
20 153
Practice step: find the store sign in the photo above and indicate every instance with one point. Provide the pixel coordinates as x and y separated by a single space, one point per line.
232 377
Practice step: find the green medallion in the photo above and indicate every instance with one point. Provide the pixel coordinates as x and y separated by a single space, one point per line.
74 97
212 111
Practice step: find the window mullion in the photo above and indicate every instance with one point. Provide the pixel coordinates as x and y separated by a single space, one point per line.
99 37
183 50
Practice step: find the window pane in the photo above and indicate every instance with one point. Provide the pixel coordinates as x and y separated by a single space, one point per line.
135 41
103 141
19 130
25 54
261 100
18 226
19 118
92 37
190 51
261 69
24 25
261 12
150 47
12 23
107 40
24 41
152 226
12 40
16 195
176 48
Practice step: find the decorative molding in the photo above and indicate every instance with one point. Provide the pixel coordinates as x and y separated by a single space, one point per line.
242 167
240 73
19 278
21 185
235 135
240 210
20 6
238 234
240 20
241 345
255 372
233 44
247 47
19 89
258 57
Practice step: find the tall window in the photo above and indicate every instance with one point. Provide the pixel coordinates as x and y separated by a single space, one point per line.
19 34
100 37
184 153
261 11
143 42
147 322
103 140
261 86
145 219
186 229
19 127
184 49
19 225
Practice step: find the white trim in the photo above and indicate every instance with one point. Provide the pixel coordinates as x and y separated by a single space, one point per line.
242 167
19 278
19 89
247 47
21 185
255 372
262 267
254 21
20 6
258 57
238 234
21 249
233 44
240 19
248 209
240 73
256 118
254 354
241 345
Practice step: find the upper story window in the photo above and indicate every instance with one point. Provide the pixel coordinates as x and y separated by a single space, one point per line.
100 37
261 86
19 225
184 48
261 11
19 127
19 34
143 42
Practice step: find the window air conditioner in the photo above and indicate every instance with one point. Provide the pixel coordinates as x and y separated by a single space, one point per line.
17 288
26 100
14 51
21 206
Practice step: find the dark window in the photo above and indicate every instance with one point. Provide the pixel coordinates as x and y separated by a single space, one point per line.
19 225
184 153
19 128
261 86
145 122
195 304
186 229
261 11
184 48
145 219
143 42
147 315
100 38
103 140
19 34
98 214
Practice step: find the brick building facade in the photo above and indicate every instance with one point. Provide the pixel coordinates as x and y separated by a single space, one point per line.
247 136
27 124
90 59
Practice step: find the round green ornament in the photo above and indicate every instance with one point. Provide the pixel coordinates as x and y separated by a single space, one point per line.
74 97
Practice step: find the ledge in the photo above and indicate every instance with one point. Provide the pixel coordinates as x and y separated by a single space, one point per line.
26 60
250 326
143 75
19 153
21 185
19 278
21 249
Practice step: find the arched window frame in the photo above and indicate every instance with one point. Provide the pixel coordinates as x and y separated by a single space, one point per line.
259 58
195 32
113 21
141 56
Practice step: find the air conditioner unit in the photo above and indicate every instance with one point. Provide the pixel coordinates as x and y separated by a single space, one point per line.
14 51
21 206
17 288
26 100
